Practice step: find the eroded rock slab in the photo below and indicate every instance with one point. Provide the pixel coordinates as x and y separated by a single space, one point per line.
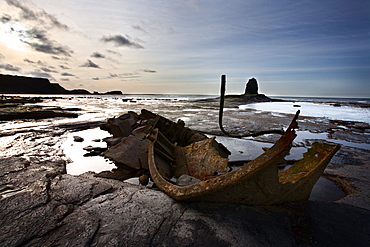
43 206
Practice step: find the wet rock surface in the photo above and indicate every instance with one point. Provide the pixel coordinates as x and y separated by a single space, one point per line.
41 205
21 111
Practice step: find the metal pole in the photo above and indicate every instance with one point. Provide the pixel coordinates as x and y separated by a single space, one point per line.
221 112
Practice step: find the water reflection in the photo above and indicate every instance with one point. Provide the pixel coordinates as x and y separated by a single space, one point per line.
75 153
324 189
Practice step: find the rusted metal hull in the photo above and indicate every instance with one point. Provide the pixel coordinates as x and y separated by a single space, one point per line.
258 182
186 164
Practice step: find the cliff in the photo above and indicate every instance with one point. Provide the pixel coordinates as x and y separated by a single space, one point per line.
10 84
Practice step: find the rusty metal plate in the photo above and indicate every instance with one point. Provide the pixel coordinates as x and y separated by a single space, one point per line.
203 160
131 151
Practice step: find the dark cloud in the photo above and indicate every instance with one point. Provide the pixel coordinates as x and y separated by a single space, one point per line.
112 75
34 34
28 61
115 53
66 74
9 67
90 64
38 37
41 74
64 79
121 41
55 23
48 70
96 78
97 55
39 16
27 13
50 48
59 58
41 63
149 71
6 18
63 67
38 40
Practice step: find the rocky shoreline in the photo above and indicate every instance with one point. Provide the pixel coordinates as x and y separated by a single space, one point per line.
43 206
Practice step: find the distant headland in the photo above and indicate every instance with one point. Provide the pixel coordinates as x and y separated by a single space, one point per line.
10 84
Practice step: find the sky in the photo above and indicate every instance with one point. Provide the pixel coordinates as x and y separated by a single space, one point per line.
293 48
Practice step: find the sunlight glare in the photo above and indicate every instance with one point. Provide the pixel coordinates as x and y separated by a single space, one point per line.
11 38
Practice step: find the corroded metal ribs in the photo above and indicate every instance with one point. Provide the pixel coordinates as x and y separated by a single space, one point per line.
187 165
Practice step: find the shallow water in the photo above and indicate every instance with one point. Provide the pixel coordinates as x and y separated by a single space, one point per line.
74 152
346 113
197 116
305 135
324 190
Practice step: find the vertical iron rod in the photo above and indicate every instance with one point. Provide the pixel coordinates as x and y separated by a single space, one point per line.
221 112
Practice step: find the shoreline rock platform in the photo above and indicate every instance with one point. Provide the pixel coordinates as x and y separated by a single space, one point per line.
42 205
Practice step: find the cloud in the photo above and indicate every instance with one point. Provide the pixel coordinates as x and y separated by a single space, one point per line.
48 70
50 48
38 40
90 64
39 16
6 18
64 79
35 27
139 28
28 61
115 53
121 41
1 56
38 73
149 71
123 75
96 78
66 74
59 58
63 67
97 55
10 67
41 63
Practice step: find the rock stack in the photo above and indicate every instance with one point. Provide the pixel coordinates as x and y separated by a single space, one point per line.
252 87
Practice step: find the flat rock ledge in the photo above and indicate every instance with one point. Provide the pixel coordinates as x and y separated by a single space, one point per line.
43 206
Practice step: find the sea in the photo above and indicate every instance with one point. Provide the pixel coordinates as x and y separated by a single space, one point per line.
344 109
103 106
196 116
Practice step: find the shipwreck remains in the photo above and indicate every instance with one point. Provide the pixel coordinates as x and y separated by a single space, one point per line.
257 182
189 166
